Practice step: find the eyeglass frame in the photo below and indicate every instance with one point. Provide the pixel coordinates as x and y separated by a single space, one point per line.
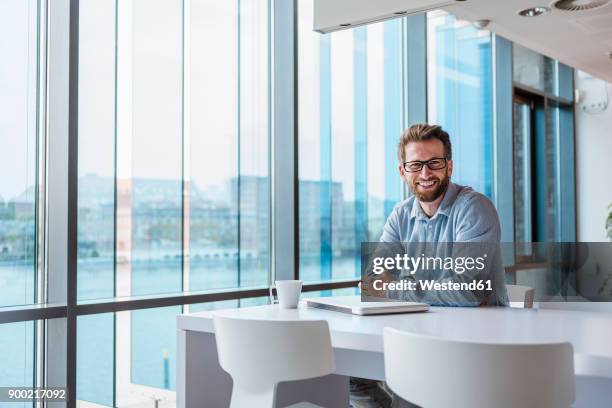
425 163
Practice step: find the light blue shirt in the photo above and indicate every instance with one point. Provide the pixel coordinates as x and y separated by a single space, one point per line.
464 216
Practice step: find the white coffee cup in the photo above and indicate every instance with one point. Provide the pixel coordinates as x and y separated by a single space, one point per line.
288 293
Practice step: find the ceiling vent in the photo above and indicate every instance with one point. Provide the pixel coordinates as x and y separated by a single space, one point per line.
579 5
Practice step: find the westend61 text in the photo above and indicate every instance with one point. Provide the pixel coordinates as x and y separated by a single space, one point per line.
405 284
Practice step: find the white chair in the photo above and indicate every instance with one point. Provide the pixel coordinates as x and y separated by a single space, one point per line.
520 296
258 354
437 373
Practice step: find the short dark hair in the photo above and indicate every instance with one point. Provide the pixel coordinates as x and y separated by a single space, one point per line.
420 132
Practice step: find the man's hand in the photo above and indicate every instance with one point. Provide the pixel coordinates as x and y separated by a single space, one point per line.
367 285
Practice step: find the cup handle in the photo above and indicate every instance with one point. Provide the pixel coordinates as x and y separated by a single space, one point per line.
273 300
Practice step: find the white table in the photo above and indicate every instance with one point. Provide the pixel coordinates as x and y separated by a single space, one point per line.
358 345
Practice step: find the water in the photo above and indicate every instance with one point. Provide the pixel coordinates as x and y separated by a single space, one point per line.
142 338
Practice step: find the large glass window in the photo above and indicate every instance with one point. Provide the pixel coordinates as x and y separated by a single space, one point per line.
349 121
175 130
173 175
97 146
537 82
460 95
227 129
19 148
173 165
19 125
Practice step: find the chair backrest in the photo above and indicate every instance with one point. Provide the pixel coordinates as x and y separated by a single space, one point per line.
521 296
259 354
437 373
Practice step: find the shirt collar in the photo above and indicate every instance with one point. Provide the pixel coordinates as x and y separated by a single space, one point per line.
445 206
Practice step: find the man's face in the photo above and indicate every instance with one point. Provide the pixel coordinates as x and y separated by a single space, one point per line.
427 185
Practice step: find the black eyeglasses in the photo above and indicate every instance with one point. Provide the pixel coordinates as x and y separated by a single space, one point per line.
437 163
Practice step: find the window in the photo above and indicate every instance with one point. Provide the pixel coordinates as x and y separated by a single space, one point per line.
176 123
228 131
173 175
19 130
20 137
543 148
460 95
523 188
535 70
350 94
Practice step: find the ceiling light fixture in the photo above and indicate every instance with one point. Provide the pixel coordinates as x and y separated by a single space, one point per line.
481 24
533 11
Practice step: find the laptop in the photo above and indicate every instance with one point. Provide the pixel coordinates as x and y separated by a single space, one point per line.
354 305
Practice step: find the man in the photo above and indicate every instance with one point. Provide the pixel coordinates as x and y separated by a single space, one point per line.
441 212
437 213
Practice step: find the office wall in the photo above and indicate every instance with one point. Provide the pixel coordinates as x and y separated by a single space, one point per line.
593 157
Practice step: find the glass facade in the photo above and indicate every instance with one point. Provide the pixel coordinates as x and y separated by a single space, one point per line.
349 120
535 70
20 42
97 99
460 95
16 357
228 153
539 90
19 127
175 139
174 182
523 217
173 174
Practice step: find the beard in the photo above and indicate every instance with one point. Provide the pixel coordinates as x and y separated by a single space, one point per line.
428 196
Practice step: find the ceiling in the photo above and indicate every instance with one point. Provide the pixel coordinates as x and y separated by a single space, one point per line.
581 39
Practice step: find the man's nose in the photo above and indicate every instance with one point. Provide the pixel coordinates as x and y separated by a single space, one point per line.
425 171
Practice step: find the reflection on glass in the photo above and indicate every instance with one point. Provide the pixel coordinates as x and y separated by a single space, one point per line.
149 134
522 174
227 131
173 177
460 96
553 178
350 92
18 149
534 70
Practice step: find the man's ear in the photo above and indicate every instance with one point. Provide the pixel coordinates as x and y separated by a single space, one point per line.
401 170
450 168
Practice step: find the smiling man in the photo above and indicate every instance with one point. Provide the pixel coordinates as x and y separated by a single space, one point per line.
439 212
